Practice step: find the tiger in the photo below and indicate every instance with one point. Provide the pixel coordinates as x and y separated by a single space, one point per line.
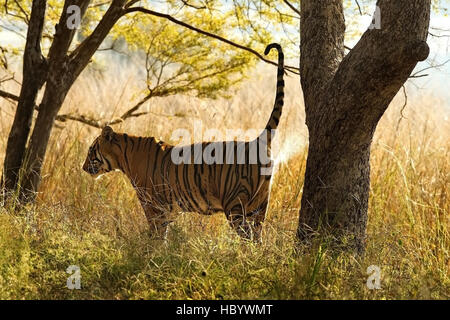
238 188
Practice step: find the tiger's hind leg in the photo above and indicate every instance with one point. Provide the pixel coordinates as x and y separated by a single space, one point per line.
158 222
247 226
237 221
235 211
258 216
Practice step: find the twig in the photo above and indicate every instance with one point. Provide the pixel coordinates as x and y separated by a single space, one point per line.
439 29
27 18
359 7
416 74
403 108
129 4
186 3
95 5
8 95
86 119
439 35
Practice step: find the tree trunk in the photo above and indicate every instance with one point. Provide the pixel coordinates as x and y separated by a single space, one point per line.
51 103
60 73
34 74
344 99
63 70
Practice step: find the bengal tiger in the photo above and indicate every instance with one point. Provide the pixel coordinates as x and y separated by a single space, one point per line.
238 188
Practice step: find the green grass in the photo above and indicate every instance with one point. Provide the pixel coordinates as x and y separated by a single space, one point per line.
99 225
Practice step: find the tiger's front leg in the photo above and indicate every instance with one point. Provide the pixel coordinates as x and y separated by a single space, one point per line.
158 221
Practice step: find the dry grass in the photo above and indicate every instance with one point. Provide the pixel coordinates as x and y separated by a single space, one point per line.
99 225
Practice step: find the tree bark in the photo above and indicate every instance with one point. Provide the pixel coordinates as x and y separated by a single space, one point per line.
58 83
344 99
63 70
51 103
34 75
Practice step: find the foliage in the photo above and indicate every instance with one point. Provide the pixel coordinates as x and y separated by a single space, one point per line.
177 60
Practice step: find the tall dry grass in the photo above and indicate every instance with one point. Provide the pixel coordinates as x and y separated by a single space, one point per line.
99 225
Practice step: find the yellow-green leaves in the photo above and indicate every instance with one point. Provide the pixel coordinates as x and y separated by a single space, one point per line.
177 60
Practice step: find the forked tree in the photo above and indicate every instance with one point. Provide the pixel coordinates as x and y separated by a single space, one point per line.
345 96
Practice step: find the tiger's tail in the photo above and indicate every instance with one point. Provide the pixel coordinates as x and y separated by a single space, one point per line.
272 124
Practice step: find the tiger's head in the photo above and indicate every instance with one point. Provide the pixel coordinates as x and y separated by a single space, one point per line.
103 154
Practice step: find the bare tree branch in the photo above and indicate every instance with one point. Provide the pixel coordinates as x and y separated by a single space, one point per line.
94 5
439 35
131 113
13 31
217 37
403 108
8 95
129 4
27 18
417 75
290 5
80 57
359 7
24 18
186 3
439 29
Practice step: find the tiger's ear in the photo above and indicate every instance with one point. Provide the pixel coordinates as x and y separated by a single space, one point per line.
108 133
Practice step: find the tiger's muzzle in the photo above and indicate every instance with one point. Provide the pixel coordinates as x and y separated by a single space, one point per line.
90 168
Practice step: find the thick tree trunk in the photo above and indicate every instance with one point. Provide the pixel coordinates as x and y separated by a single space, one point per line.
336 187
34 74
344 99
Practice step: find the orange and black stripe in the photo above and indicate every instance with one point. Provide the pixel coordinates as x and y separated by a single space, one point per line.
274 119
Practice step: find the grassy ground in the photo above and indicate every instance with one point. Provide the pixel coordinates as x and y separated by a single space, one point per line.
99 225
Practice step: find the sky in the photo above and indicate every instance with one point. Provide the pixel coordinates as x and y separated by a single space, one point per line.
438 79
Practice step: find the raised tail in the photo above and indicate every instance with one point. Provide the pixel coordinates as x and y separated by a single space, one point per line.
272 124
